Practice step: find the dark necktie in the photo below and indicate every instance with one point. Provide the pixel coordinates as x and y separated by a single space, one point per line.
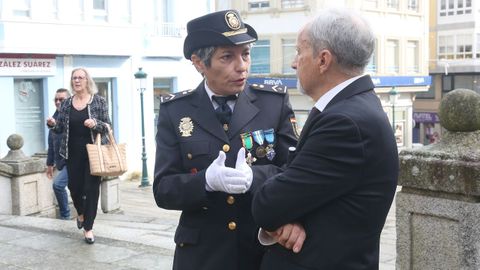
223 111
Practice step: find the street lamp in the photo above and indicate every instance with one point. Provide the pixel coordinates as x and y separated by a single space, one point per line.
141 79
393 99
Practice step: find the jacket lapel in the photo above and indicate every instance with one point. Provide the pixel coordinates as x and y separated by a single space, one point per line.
306 128
204 115
243 112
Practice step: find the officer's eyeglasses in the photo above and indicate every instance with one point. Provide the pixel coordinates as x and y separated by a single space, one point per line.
59 99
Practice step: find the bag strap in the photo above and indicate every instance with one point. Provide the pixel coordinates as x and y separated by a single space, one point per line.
115 147
98 143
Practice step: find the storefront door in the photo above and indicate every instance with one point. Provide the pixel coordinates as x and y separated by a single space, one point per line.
29 118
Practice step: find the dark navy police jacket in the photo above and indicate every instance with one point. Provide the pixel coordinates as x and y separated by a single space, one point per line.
216 229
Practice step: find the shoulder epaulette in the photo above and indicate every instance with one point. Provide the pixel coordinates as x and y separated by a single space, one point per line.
280 89
175 96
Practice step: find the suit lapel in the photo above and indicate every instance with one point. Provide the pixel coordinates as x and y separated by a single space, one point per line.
204 115
243 112
306 128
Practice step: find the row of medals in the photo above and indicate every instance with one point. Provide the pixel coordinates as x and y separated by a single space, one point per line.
259 137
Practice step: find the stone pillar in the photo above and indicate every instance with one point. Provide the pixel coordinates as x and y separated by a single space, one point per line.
438 208
24 186
110 194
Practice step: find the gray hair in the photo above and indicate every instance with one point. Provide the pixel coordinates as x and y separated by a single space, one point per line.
347 35
205 54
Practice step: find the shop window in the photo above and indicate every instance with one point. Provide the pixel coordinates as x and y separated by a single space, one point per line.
447 83
104 86
260 57
29 116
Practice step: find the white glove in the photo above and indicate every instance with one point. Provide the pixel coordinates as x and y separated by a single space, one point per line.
242 166
221 178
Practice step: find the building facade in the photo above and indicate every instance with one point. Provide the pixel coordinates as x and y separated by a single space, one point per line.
399 62
454 60
42 41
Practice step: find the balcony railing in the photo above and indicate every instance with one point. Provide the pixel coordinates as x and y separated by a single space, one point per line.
168 30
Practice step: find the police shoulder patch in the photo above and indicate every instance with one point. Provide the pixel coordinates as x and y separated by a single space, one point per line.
280 89
175 96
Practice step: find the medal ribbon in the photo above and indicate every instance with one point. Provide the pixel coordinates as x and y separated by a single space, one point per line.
247 140
258 137
269 135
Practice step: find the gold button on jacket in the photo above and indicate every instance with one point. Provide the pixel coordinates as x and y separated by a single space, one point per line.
232 225
230 200
226 148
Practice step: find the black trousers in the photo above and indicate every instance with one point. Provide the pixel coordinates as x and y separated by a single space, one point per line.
84 187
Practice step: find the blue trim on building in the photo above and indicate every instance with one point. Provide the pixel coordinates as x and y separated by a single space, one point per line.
378 81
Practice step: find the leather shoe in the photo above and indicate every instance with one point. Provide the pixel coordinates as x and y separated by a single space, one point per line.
79 224
89 240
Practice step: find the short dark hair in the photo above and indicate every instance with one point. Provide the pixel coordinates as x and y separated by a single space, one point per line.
63 90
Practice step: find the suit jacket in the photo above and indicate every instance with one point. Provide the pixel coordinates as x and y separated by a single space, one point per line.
216 229
339 185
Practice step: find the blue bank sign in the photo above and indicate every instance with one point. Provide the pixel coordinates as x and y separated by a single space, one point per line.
378 81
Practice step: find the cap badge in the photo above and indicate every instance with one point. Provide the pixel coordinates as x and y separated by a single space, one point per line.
186 126
232 20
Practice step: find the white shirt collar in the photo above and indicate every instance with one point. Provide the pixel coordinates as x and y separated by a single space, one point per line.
210 93
323 101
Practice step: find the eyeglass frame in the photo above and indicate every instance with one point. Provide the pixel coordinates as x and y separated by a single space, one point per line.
80 78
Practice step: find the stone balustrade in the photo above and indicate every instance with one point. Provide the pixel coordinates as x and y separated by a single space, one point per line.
26 190
438 208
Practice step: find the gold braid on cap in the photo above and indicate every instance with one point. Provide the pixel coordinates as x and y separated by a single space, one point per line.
234 33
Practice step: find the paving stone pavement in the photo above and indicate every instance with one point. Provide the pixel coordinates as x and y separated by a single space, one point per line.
139 236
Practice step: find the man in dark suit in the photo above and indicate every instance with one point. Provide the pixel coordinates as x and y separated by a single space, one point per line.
201 165
341 180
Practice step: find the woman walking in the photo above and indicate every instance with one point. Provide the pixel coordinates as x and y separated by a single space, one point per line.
81 117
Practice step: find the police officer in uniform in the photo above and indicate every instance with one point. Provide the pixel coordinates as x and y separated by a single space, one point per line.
216 144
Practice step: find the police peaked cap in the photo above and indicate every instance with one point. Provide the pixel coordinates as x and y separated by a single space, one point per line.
221 28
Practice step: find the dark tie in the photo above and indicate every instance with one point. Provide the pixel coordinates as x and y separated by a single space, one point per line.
224 113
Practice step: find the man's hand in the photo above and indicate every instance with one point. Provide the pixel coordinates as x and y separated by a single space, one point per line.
291 236
242 166
50 172
221 178
51 122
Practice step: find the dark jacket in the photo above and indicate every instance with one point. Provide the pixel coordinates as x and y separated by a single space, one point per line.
216 229
53 155
339 185
97 109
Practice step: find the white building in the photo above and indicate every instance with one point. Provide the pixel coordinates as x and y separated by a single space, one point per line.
41 41
400 59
